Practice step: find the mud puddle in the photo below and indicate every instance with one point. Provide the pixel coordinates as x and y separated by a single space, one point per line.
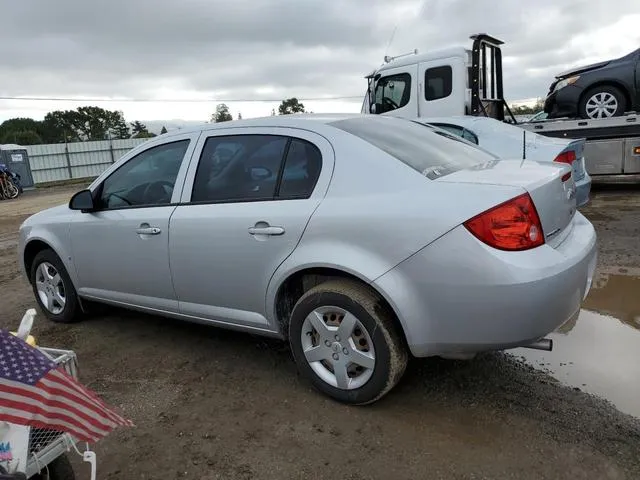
599 352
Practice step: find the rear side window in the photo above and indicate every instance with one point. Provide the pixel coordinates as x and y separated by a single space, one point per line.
438 82
301 170
418 146
243 168
239 168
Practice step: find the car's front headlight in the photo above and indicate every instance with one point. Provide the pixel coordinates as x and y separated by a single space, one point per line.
565 82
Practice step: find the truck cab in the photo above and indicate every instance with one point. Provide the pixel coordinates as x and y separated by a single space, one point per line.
447 82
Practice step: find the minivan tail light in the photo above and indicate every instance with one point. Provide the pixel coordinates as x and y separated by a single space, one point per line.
513 225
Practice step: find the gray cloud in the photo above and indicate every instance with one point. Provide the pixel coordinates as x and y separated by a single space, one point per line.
305 48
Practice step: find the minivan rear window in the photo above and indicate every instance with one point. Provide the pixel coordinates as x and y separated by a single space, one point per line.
430 151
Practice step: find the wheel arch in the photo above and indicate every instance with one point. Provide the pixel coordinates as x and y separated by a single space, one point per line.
31 249
291 288
36 244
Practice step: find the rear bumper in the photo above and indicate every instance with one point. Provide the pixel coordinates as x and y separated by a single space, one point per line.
460 296
563 102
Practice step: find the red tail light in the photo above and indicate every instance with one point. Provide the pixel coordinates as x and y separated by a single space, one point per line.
512 225
567 157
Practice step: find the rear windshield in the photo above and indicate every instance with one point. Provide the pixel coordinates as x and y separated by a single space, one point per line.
431 151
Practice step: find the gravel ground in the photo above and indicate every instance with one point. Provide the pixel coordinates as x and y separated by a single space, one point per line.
214 404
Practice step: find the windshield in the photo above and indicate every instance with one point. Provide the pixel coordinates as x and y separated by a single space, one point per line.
538 117
428 150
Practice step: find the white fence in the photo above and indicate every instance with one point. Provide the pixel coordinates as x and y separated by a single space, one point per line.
61 161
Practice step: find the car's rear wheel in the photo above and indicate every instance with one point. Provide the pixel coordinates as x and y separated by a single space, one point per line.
53 288
603 102
346 343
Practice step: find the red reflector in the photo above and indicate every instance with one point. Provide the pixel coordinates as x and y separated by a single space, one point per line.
512 225
566 177
567 157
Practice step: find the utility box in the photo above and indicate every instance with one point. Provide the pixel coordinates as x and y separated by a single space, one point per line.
16 158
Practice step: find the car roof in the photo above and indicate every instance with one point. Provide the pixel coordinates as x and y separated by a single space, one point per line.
296 120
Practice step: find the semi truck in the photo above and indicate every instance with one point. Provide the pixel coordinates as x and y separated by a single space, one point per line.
459 80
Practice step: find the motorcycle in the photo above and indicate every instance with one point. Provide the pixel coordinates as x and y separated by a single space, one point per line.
39 453
10 185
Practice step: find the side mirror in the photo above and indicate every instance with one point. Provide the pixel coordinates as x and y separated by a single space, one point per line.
82 200
260 173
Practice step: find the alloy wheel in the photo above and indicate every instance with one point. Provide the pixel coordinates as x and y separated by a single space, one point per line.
338 347
50 288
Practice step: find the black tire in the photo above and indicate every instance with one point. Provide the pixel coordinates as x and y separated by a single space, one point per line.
59 469
391 355
71 311
607 89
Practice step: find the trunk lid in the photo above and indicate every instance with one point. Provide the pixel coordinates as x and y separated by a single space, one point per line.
553 197
541 148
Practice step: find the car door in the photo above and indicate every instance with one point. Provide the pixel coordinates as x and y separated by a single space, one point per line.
239 222
120 250
443 90
396 91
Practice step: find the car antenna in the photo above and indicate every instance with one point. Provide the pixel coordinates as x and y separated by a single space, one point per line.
524 146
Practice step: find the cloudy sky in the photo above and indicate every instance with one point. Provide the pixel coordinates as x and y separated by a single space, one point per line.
274 49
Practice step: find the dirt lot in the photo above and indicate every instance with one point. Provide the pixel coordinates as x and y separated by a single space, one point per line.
212 404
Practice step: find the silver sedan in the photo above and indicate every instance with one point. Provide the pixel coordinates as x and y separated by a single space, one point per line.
361 239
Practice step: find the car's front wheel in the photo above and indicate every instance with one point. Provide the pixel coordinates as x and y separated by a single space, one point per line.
346 343
53 288
603 102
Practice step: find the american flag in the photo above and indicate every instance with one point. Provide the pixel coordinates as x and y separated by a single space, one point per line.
35 392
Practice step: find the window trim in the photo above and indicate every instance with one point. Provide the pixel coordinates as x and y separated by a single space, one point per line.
96 193
283 162
450 91
290 138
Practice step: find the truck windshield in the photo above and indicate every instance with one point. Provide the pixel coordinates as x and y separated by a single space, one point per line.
431 151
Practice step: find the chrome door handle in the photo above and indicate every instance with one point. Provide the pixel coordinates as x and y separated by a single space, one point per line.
148 231
266 230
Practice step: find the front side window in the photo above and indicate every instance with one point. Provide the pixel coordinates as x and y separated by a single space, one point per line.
392 92
438 82
239 168
147 179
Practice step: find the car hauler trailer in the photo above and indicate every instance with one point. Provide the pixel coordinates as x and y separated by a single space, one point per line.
461 81
612 149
